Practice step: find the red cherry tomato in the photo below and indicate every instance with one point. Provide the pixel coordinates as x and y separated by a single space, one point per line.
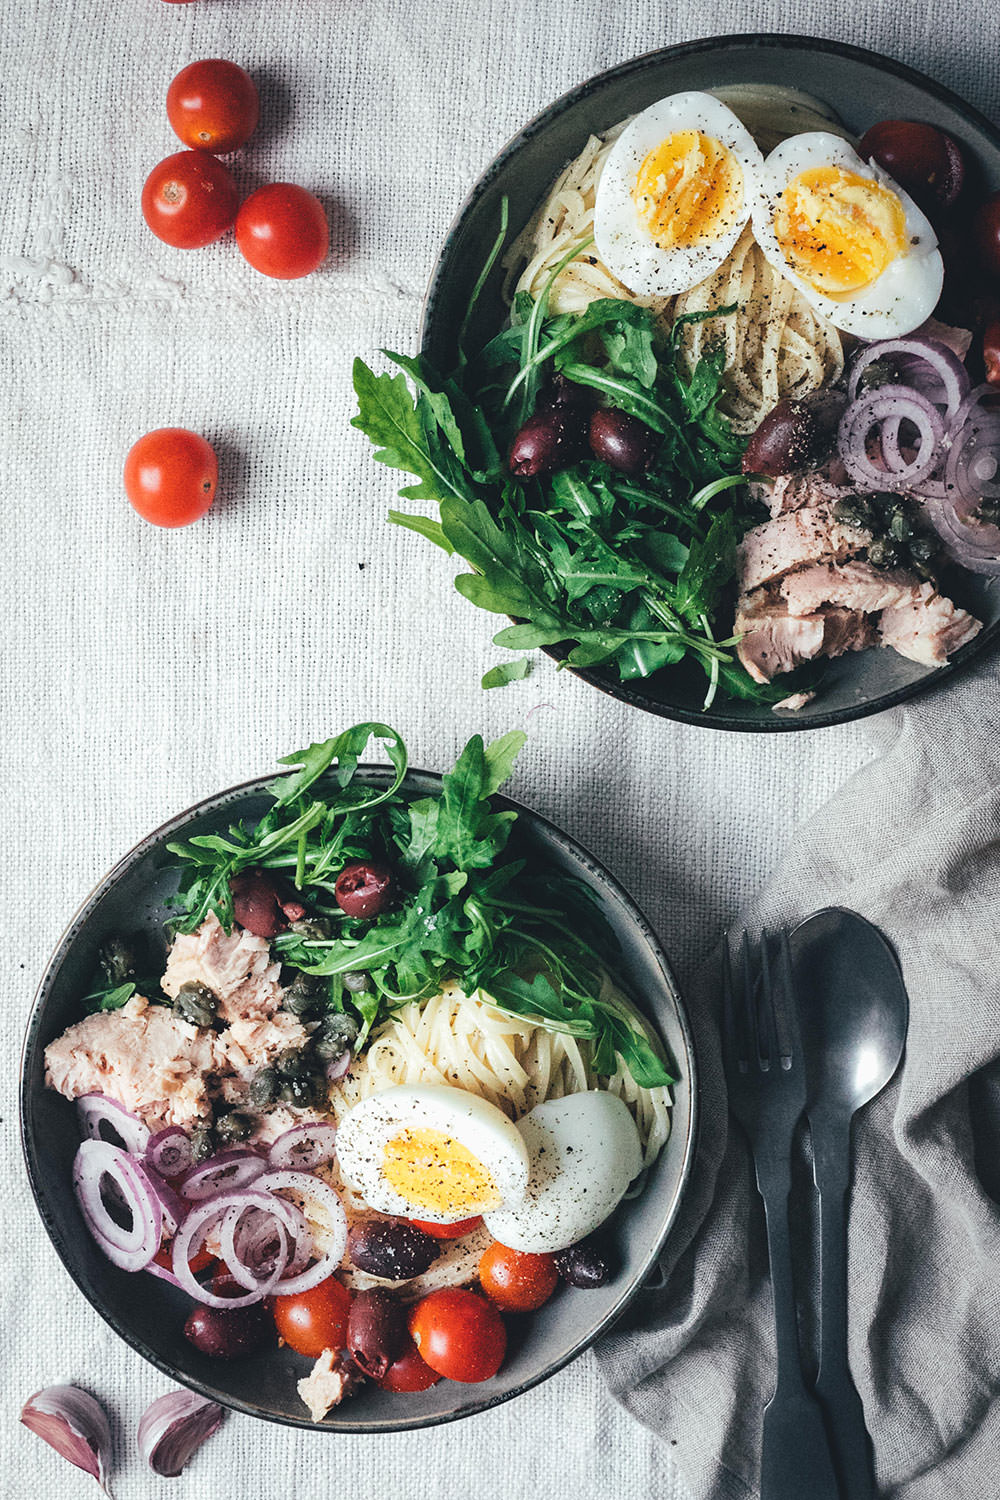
922 159
515 1280
991 351
189 199
409 1373
312 1321
282 231
198 1261
986 234
170 476
448 1231
459 1334
213 105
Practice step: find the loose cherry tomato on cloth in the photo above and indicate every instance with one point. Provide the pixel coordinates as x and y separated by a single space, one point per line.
282 231
409 1373
213 105
189 199
924 160
312 1321
459 1334
516 1280
448 1231
171 476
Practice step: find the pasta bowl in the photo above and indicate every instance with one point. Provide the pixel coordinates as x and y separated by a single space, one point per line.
862 88
149 1314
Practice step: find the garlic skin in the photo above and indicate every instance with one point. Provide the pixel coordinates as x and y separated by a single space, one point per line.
75 1425
174 1427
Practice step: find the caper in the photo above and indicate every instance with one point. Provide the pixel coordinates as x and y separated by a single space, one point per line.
304 995
263 1087
356 981
337 1032
855 510
292 1062
900 524
879 372
202 1144
117 959
885 552
195 1002
232 1128
312 929
923 549
303 1091
989 511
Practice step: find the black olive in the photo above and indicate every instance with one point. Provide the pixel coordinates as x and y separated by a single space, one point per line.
195 1003
621 440
797 434
257 903
364 889
376 1331
586 1264
228 1332
552 437
391 1248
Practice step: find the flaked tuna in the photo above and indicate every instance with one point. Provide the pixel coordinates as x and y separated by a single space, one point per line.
144 1056
800 491
855 585
927 627
790 541
237 967
775 641
254 1042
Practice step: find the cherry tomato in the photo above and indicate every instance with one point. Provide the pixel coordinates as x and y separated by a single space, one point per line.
448 1231
198 1261
515 1280
459 1334
922 159
991 351
282 231
213 105
170 476
409 1373
986 234
310 1322
189 200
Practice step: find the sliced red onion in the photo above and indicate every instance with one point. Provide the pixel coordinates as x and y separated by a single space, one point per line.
339 1066
170 1152
252 1242
924 364
223 1171
74 1424
205 1216
95 1110
890 404
307 1187
172 1206
163 1274
973 544
131 1247
174 1427
306 1146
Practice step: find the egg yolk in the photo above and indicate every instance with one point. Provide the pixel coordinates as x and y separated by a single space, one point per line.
688 190
432 1170
837 230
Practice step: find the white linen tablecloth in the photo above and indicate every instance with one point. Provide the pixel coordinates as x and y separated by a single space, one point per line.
143 669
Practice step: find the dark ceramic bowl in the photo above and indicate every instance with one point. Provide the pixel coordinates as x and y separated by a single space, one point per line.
863 88
149 1314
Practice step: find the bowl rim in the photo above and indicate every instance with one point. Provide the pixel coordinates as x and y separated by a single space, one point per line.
764 41
40 1188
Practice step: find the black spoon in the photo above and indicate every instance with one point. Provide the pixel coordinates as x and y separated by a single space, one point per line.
853 1015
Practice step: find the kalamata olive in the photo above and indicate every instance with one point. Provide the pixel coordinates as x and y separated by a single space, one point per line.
257 903
364 889
228 1333
991 351
797 434
621 440
563 392
391 1248
924 160
587 1264
376 1331
986 234
552 437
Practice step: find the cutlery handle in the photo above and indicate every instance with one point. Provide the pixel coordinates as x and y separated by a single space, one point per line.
795 1460
834 1386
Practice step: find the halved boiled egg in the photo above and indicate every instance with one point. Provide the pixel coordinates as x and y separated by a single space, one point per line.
426 1151
847 236
585 1150
675 193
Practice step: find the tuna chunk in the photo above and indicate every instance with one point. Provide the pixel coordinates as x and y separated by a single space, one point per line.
149 1060
775 641
254 1043
331 1378
927 627
236 967
855 585
799 491
792 540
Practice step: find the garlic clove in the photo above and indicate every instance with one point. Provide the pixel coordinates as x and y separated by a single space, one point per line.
75 1425
174 1427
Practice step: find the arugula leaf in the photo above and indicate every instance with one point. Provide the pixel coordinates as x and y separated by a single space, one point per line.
344 752
710 565
424 526
499 757
507 671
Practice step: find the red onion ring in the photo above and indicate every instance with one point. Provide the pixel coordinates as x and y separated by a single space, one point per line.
974 545
204 1216
305 1146
943 367
133 1247
226 1169
93 1110
341 1064
306 1186
170 1152
890 404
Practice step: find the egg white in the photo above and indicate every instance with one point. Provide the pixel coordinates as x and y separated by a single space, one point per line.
623 240
906 292
585 1150
367 1128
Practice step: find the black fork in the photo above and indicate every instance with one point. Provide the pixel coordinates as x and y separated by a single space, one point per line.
766 1079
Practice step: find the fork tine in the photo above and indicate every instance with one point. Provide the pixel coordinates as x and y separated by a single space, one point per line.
789 1013
749 1006
768 1000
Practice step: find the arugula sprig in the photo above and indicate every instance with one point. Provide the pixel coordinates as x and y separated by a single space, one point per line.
470 908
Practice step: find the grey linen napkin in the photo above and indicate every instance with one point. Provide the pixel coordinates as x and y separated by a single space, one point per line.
913 843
